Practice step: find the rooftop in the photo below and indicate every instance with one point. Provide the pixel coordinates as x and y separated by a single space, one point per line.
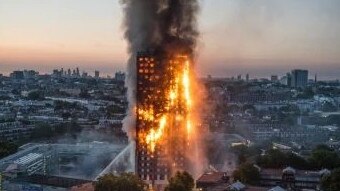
213 177
30 157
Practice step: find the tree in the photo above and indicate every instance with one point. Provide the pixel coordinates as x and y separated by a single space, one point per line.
297 161
84 94
182 181
273 159
278 159
15 92
331 182
124 182
328 107
244 152
7 148
42 131
247 173
324 157
5 97
307 93
36 95
111 110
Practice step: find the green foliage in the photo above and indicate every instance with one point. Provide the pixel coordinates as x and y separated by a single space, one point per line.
84 94
287 114
42 131
332 181
6 120
328 91
111 110
66 115
292 109
63 105
334 119
4 97
296 161
124 182
328 107
307 93
321 157
15 91
324 157
247 173
243 152
36 95
273 159
248 107
47 131
7 148
234 108
276 159
182 181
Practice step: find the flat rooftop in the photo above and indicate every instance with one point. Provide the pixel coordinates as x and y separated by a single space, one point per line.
81 161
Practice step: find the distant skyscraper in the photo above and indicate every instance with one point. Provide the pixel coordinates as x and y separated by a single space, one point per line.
17 75
299 78
289 79
77 71
30 74
247 77
96 74
120 76
84 75
274 78
316 78
239 77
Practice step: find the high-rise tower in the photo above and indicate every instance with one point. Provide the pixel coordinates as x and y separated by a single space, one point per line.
163 116
299 78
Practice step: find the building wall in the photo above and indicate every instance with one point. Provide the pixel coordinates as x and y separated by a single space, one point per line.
153 79
299 78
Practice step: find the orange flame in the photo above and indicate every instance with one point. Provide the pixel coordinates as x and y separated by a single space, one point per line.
179 96
154 135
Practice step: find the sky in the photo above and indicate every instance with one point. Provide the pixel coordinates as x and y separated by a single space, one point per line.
259 37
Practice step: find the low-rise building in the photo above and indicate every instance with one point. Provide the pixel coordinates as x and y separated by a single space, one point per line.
213 181
291 178
13 131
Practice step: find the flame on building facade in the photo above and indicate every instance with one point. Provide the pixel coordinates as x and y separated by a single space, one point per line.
164 122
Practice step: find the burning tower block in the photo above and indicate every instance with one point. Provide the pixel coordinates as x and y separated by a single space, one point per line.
163 121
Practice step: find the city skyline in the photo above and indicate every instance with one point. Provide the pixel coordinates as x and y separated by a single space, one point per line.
237 37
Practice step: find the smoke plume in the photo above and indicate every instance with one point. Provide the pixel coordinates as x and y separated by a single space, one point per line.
161 26
156 25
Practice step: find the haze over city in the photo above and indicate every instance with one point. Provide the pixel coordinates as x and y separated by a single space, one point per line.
169 95
237 36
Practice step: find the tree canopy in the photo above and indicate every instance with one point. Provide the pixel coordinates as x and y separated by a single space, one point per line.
332 181
7 148
182 181
36 95
277 159
124 182
324 157
247 173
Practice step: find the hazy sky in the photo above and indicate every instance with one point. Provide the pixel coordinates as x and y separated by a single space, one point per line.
259 37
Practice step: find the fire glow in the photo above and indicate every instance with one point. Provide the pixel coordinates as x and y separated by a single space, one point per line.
163 115
178 107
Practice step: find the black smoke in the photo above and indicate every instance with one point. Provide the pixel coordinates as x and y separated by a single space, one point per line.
161 25
165 27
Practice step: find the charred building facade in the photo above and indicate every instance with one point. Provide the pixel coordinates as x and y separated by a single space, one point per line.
162 116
